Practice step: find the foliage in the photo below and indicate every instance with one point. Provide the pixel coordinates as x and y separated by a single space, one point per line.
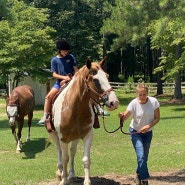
141 38
130 86
159 24
26 45
79 22
3 9
167 33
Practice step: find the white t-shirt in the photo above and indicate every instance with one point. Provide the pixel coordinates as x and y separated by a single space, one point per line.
142 114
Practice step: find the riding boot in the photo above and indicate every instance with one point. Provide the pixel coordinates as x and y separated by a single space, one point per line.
49 123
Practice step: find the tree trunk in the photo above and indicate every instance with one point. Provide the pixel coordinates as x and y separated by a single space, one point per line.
177 90
157 55
159 83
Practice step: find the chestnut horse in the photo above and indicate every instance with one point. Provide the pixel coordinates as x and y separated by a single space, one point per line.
73 116
20 103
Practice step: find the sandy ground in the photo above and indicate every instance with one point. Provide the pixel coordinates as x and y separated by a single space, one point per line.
159 178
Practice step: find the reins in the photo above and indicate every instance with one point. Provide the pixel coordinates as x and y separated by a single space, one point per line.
120 127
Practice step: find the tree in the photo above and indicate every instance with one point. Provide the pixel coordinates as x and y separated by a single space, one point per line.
168 34
3 9
129 21
78 21
161 22
25 45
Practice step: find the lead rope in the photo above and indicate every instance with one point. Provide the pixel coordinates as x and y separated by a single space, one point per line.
110 132
120 127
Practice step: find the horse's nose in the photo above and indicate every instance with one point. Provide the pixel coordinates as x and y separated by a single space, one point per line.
115 104
12 121
112 105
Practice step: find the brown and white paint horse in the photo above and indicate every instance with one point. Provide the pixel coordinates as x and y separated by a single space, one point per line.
73 116
20 103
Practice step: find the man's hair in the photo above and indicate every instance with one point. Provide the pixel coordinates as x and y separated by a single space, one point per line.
62 45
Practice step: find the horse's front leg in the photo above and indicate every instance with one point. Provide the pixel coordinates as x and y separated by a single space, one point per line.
14 133
19 135
18 143
65 160
59 171
86 159
72 156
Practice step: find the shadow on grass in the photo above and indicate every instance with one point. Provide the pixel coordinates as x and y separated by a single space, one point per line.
96 181
32 147
5 125
170 178
165 178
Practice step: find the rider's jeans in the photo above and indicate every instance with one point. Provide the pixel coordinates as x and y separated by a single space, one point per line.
141 143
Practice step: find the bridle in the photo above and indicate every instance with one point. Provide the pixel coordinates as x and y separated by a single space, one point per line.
100 96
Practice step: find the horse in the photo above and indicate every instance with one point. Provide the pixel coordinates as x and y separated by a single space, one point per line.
20 103
73 116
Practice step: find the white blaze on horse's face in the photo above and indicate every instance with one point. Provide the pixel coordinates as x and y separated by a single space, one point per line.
12 113
110 99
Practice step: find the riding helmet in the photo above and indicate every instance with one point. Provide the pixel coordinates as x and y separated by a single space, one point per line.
62 45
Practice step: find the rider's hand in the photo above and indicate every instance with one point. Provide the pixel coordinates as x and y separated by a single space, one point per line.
67 78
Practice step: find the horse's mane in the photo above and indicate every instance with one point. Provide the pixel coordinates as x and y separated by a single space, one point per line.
83 71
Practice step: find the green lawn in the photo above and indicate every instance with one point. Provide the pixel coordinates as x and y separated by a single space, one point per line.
110 153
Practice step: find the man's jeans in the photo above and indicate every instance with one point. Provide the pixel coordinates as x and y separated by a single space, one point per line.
141 143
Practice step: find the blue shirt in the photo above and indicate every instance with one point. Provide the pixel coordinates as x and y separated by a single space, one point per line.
63 66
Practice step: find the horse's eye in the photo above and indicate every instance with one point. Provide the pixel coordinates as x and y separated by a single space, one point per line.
93 72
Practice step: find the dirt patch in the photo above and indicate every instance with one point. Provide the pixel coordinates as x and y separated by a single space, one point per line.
158 178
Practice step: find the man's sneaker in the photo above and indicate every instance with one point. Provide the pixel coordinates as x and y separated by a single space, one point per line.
103 112
137 180
42 121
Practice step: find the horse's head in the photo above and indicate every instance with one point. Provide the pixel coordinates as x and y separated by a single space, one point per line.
99 85
12 111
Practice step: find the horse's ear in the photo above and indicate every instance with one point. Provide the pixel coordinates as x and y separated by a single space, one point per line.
88 63
102 62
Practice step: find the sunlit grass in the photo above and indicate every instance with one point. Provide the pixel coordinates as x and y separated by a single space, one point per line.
110 153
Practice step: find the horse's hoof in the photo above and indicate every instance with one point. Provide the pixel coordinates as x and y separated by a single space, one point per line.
58 175
87 182
18 151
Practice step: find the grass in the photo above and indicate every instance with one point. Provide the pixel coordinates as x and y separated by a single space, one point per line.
110 153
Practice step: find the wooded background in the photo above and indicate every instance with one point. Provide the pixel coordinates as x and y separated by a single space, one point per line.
142 40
